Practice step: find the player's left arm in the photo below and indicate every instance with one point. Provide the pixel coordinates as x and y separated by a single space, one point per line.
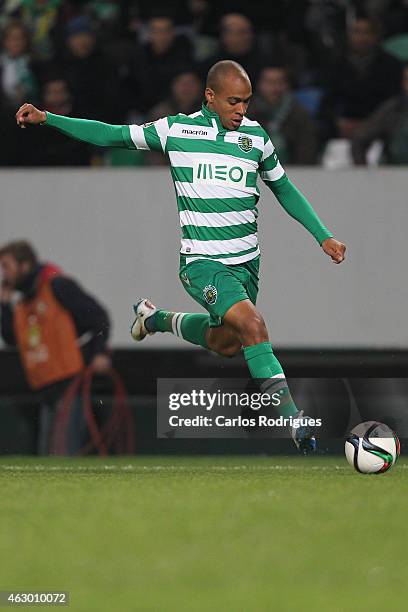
150 136
296 204
86 130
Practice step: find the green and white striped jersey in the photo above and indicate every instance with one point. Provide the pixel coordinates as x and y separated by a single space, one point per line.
215 174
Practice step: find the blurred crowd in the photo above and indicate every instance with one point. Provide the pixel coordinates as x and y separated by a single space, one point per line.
329 76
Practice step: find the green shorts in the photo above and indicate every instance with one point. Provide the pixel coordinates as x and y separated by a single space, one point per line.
217 287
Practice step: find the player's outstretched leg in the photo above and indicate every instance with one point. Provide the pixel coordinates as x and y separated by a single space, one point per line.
192 327
149 320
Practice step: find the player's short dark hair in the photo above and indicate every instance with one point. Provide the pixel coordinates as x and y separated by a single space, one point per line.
220 70
21 250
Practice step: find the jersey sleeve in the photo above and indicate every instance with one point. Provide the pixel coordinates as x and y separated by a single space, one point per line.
288 195
270 167
87 130
150 136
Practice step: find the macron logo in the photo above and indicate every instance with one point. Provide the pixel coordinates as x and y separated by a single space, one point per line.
195 132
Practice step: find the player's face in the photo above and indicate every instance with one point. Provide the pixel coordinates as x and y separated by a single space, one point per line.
12 272
230 101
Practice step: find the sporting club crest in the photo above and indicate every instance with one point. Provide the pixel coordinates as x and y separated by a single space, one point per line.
210 294
245 143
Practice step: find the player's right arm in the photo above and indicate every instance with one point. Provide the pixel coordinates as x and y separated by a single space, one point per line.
296 204
149 136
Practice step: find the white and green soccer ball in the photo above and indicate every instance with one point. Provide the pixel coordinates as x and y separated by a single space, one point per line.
372 448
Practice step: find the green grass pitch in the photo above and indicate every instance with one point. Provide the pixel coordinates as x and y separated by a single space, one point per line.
205 534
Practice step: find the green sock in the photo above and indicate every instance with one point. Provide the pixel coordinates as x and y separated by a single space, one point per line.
263 364
190 327
160 321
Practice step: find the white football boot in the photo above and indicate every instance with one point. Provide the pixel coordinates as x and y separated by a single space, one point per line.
304 436
143 310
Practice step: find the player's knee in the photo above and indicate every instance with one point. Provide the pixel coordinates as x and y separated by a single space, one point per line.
254 330
231 350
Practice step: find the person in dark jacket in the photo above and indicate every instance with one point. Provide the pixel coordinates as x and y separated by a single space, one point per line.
89 74
362 79
42 150
17 79
288 124
186 95
155 63
238 43
45 324
389 124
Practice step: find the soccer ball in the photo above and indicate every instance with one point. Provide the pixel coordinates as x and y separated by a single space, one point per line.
372 448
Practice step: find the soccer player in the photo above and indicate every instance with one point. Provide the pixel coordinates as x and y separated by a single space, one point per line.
215 155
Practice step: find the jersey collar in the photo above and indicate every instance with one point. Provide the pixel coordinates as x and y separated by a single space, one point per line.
212 115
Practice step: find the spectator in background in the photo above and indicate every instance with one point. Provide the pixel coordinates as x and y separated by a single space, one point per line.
55 149
17 80
45 324
389 123
88 73
200 28
363 78
238 43
157 62
393 14
186 97
41 18
107 15
57 97
288 124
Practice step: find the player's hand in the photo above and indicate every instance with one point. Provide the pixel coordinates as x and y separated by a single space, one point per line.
29 115
334 249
